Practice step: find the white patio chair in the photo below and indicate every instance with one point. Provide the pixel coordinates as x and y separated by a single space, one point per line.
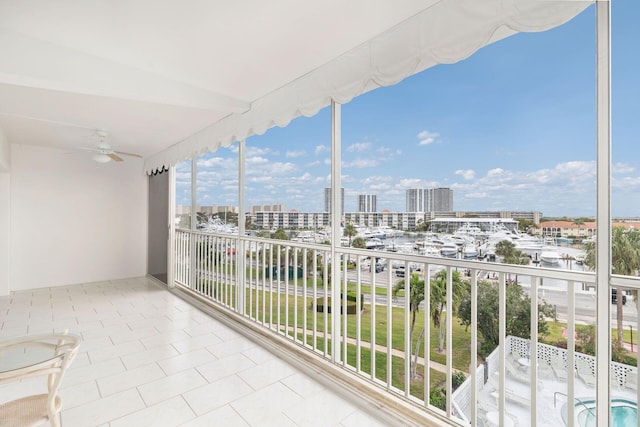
55 353
585 372
516 373
559 366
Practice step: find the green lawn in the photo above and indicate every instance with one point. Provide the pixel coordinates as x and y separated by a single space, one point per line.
293 312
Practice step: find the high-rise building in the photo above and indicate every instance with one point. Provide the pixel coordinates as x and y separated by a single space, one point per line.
367 203
418 200
429 200
327 200
441 199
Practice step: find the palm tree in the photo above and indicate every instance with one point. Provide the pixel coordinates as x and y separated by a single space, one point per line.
625 260
415 298
510 255
439 299
579 222
350 231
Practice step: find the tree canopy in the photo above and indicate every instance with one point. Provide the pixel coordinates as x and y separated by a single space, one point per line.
518 314
359 243
625 260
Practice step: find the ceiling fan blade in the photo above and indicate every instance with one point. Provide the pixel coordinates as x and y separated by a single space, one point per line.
115 157
128 154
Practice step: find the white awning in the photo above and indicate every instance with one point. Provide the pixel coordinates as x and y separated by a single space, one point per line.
445 32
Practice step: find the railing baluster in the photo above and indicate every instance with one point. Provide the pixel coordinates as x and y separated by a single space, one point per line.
345 316
407 329
278 284
305 275
374 325
390 331
449 339
250 287
271 272
287 277
358 314
571 360
314 314
325 308
473 368
295 294
427 334
533 350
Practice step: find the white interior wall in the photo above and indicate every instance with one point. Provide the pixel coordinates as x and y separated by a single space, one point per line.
5 167
74 220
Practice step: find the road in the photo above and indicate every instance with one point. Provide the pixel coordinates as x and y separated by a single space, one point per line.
585 302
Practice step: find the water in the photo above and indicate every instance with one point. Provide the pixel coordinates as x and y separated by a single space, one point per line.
624 413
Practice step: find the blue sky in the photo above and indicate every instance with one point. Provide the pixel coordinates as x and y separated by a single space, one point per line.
510 128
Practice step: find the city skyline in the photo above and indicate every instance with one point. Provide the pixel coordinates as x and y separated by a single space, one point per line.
513 135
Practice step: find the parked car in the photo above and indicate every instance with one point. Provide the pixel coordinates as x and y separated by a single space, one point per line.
614 297
379 267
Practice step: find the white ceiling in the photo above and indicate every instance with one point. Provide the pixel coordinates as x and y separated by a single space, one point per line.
154 72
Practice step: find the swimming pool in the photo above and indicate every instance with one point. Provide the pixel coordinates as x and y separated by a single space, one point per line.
624 413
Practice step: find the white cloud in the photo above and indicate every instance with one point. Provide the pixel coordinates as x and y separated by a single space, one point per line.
258 179
252 150
217 162
321 149
622 168
427 138
406 183
380 187
372 180
359 147
480 195
495 172
294 154
361 163
466 173
313 164
256 160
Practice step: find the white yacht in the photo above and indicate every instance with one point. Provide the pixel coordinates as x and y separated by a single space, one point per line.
449 249
549 255
470 250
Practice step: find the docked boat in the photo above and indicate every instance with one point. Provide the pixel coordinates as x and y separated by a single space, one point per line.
469 250
549 255
374 243
449 249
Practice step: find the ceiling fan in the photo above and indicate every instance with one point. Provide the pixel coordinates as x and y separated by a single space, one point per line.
104 152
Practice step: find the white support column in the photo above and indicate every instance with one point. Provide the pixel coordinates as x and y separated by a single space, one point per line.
241 252
603 227
502 331
336 214
449 340
193 221
171 255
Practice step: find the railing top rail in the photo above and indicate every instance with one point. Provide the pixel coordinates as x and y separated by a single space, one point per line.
550 273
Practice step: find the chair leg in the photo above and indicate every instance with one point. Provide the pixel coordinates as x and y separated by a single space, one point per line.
56 419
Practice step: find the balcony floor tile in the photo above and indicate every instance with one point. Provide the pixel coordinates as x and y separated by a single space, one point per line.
151 358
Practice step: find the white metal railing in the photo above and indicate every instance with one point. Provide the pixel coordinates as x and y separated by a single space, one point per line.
288 289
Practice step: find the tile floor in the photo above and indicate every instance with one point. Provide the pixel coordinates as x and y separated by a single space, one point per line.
148 358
